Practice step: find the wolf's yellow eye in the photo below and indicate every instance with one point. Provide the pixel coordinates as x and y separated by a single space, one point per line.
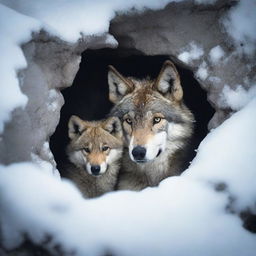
157 120
87 150
105 148
128 121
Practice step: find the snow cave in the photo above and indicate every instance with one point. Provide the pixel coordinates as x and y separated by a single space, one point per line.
54 64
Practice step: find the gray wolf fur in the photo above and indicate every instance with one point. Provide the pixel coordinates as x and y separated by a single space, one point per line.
156 123
94 152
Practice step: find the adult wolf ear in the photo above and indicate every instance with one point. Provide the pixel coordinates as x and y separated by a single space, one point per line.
113 126
75 126
168 82
118 85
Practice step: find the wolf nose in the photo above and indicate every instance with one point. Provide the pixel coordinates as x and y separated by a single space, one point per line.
139 153
95 169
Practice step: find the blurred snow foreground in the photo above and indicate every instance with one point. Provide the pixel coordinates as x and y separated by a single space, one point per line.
194 214
185 215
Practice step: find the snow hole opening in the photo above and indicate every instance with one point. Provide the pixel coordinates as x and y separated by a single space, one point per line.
87 98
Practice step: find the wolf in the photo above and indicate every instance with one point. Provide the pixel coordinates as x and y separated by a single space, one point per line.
157 126
94 152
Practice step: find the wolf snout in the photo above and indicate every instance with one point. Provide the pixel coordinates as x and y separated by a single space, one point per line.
139 153
95 169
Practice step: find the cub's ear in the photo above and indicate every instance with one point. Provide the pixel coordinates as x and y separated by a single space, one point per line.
168 82
75 126
113 126
118 85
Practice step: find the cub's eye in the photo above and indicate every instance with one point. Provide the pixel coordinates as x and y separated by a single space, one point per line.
105 148
128 121
87 150
157 120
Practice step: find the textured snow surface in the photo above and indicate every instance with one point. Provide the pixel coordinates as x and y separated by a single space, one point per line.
205 1
238 98
240 24
70 19
14 30
184 215
193 52
202 72
216 53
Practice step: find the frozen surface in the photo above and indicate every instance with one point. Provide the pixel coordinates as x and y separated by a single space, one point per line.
184 215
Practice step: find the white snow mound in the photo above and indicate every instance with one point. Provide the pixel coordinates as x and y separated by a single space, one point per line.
182 216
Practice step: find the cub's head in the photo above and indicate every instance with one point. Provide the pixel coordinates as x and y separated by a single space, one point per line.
154 117
94 145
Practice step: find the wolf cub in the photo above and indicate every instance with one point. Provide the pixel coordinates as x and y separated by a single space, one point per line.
94 152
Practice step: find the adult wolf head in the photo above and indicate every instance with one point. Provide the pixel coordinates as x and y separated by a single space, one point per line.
155 120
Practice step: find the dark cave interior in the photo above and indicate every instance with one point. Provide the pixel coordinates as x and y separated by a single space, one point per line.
88 95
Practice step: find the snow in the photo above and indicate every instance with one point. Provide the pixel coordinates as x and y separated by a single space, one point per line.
215 54
13 33
215 80
53 96
192 53
205 1
44 166
111 40
235 163
69 19
184 215
238 98
72 19
202 72
240 24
